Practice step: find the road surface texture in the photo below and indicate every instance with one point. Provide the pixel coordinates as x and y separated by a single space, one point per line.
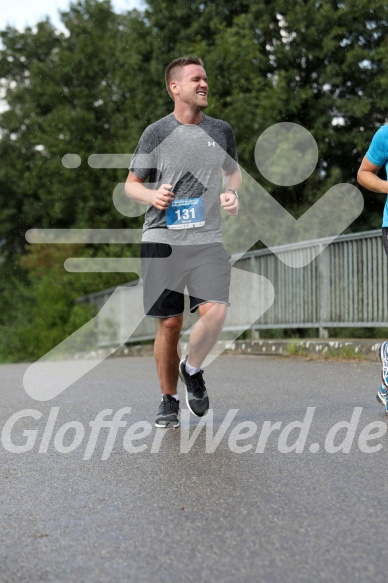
163 508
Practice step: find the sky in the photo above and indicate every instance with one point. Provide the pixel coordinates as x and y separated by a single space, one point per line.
22 13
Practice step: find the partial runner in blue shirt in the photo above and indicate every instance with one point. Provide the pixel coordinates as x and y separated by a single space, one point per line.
375 158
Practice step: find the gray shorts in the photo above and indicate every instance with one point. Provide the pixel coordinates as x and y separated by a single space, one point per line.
168 269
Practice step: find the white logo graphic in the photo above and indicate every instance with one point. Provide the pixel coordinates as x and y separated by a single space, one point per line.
286 154
239 436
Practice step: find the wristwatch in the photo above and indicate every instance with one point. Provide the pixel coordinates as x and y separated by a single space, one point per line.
232 190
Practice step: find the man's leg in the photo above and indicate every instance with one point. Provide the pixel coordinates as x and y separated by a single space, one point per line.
166 353
383 349
206 332
167 363
162 302
202 339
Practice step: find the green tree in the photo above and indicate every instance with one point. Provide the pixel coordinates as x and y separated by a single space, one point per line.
321 64
66 93
96 86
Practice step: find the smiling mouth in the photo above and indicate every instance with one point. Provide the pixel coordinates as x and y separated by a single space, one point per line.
202 93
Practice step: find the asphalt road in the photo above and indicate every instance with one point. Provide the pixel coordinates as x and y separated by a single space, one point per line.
163 508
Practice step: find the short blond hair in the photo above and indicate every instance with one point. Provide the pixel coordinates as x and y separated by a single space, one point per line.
177 64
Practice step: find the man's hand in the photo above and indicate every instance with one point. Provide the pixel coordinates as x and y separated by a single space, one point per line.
162 197
229 202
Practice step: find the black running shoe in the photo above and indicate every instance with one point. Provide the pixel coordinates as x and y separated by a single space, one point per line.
196 394
168 414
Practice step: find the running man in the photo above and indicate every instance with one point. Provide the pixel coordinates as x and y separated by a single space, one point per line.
375 158
190 161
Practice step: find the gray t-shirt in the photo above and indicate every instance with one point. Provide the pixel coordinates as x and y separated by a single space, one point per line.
190 158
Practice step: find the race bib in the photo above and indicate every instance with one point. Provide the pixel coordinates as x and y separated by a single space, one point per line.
186 213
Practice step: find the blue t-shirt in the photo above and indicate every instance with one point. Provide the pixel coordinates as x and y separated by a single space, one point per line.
378 155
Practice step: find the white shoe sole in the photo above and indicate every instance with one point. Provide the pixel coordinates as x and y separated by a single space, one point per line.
172 425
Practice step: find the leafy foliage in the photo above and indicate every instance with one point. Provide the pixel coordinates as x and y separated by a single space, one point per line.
94 87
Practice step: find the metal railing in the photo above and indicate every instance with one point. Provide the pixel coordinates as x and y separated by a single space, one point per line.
344 286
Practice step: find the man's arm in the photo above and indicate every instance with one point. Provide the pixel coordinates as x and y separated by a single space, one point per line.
367 177
229 201
160 198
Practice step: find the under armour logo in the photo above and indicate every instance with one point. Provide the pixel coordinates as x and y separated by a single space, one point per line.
212 144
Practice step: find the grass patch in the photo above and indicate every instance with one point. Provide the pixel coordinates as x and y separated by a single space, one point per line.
343 353
296 349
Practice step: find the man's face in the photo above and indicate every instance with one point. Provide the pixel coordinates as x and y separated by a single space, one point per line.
193 87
